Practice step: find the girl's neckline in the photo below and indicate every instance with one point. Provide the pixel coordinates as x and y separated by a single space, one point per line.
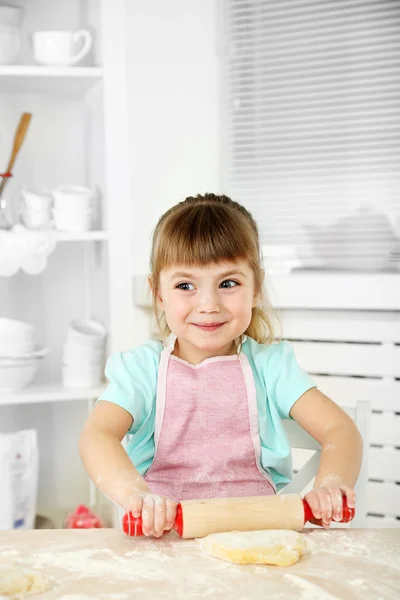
169 345
206 361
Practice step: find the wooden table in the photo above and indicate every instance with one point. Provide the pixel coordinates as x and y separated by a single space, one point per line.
104 564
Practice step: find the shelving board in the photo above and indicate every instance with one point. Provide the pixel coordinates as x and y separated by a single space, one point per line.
54 392
64 81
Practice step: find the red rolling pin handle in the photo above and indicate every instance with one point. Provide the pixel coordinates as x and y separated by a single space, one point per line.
132 526
348 513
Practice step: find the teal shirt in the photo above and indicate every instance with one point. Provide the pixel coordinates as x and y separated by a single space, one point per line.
279 382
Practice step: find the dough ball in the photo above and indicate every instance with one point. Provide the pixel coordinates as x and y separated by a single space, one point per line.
15 582
271 547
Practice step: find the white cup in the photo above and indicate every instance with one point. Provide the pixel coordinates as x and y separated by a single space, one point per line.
36 200
36 218
58 47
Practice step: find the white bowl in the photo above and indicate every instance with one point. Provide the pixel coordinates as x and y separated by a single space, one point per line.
10 44
15 356
17 376
11 15
15 350
17 332
87 333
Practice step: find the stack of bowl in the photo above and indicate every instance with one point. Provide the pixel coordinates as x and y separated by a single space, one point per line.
73 210
19 355
83 358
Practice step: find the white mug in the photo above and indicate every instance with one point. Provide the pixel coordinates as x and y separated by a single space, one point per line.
57 47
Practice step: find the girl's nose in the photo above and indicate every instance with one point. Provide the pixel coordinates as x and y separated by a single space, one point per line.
208 303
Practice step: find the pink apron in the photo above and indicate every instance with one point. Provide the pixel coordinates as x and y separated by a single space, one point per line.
207 443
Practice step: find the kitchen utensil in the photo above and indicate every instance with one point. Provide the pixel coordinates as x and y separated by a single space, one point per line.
198 518
57 47
18 140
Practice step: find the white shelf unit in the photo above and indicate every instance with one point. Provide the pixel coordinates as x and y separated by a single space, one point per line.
62 81
78 135
37 394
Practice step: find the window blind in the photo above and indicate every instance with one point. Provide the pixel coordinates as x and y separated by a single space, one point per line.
311 128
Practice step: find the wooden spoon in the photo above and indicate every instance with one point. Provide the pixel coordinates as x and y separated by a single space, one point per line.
18 139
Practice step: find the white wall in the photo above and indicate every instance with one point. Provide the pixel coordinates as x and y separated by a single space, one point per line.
173 79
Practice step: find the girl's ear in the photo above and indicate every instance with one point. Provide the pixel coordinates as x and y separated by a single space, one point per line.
158 298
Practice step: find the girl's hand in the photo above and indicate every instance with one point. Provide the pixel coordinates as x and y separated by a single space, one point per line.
158 513
326 502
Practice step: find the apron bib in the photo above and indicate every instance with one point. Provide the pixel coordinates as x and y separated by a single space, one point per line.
206 435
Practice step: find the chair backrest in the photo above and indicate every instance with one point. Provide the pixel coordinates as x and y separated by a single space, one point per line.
299 438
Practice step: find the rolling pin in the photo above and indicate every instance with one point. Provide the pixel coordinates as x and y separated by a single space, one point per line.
198 518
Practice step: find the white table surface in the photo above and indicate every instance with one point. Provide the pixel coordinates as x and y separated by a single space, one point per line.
104 564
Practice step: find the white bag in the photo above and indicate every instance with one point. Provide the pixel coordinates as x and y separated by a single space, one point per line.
19 471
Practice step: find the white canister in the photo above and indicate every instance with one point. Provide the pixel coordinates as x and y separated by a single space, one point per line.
74 220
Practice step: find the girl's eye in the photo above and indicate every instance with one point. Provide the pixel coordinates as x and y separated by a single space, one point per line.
229 283
185 286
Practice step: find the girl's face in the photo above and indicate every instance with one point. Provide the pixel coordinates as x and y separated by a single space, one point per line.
207 307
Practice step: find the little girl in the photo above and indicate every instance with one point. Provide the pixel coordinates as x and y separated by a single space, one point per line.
204 406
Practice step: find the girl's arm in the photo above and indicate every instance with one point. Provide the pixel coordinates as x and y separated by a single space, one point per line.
341 453
103 455
109 466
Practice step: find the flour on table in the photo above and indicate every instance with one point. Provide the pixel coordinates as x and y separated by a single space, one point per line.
272 547
17 582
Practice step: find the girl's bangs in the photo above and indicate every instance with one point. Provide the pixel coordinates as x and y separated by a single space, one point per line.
204 241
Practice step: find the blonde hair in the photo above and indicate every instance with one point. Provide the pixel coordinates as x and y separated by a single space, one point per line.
210 229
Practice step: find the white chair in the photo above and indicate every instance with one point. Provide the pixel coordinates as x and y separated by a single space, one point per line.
299 438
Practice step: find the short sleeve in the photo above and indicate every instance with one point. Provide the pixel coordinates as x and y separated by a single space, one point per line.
129 386
286 381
